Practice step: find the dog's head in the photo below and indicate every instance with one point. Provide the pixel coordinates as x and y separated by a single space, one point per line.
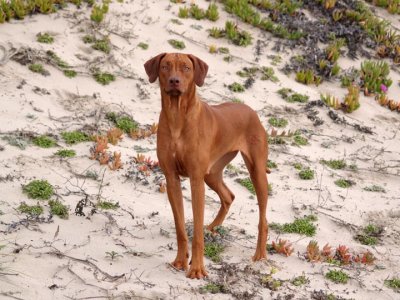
177 72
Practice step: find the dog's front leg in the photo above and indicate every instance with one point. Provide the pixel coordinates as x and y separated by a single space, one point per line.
197 269
175 199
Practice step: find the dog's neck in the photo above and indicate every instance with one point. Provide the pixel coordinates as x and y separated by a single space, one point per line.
179 110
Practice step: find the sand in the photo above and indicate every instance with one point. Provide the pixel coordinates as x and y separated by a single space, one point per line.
53 258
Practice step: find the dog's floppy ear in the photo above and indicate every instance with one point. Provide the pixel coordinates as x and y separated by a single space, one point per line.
200 69
152 66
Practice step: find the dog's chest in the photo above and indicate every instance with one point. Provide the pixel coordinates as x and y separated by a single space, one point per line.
177 151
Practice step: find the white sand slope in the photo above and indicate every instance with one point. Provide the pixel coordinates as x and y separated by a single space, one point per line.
67 259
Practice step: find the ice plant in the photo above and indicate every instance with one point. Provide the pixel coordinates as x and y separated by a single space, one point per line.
283 247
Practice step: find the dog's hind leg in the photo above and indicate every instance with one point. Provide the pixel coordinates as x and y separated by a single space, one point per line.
255 161
215 182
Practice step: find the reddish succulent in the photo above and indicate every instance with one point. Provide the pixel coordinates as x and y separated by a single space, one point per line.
283 247
343 255
366 258
313 254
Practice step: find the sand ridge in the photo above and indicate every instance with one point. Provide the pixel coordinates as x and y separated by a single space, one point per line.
124 253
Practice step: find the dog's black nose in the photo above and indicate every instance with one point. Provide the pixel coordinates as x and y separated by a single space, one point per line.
174 80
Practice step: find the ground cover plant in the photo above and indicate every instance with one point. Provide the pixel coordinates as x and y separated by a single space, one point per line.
103 78
32 210
45 38
336 164
248 14
344 183
58 209
177 44
306 174
393 283
374 77
299 140
322 36
236 87
74 137
341 256
303 226
38 189
102 45
384 100
107 205
370 235
231 32
195 12
337 276
290 96
124 122
38 68
65 153
278 122
44 141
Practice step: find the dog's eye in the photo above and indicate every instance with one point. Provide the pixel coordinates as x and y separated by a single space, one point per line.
164 68
186 68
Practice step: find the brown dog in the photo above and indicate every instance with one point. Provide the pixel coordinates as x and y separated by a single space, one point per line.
197 140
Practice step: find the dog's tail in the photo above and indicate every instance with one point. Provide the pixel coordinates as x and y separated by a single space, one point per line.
267 170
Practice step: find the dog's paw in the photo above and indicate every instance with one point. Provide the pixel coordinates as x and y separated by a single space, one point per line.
260 255
196 272
181 265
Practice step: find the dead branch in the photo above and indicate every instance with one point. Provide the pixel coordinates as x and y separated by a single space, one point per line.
10 294
339 221
145 284
83 281
107 277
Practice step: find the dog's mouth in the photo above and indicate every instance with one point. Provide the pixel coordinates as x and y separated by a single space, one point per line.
173 92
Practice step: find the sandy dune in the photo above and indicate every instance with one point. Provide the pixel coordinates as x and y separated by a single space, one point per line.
53 258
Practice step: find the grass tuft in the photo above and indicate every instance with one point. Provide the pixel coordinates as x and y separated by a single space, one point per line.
278 122
369 235
102 45
271 164
74 137
65 153
58 209
344 183
44 38
32 210
212 288
393 283
38 68
336 164
248 184
44 141
337 276
213 251
144 46
39 189
126 124
70 73
107 205
104 78
300 280
236 87
300 140
290 96
306 174
89 39
177 44
302 226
